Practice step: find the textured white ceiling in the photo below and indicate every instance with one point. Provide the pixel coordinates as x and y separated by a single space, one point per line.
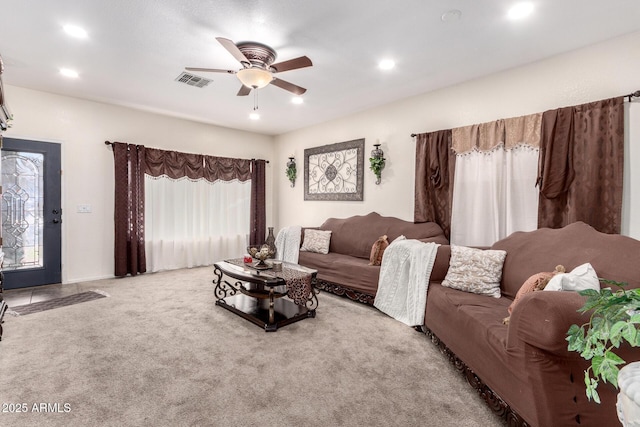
136 48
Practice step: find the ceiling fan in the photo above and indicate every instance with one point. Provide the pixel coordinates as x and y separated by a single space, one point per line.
258 68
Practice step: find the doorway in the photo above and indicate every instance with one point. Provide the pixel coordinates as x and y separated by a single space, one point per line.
31 213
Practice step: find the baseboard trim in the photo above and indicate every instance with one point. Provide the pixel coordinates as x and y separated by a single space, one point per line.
493 401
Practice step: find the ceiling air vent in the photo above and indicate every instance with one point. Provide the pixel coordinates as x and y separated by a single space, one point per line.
192 80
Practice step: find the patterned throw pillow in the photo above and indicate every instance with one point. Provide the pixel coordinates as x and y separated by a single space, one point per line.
377 250
475 270
316 241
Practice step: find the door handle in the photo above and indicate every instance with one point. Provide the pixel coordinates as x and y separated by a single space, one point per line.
56 220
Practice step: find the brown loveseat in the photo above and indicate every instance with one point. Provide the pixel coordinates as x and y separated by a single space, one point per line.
345 270
526 363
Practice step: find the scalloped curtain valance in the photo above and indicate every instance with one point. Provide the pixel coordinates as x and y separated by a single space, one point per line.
176 165
485 137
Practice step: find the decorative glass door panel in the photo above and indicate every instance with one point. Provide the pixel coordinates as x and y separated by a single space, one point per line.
22 209
31 213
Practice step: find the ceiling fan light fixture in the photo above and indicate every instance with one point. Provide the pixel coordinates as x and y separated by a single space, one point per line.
255 78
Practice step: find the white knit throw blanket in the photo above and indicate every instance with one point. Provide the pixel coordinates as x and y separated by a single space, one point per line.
404 280
288 244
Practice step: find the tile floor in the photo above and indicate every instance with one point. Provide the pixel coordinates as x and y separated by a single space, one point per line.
22 296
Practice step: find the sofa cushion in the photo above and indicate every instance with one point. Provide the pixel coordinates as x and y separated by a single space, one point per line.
441 264
377 250
475 270
354 235
316 241
471 326
350 272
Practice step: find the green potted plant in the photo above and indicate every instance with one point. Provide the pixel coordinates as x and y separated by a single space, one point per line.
377 162
614 319
291 171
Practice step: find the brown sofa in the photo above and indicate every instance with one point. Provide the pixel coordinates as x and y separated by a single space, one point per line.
524 370
345 270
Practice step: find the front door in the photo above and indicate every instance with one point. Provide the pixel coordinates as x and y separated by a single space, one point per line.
31 213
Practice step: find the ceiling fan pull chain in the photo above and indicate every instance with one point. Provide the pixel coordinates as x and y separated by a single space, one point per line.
255 99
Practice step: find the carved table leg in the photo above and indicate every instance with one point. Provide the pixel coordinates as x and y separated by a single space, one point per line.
271 304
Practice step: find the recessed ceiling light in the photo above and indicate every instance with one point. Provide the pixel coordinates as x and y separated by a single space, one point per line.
451 15
297 100
75 31
386 64
69 73
254 116
520 10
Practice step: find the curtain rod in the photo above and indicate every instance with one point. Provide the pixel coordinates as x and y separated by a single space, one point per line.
635 94
111 143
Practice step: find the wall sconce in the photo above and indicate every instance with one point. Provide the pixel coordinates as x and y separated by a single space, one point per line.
291 171
377 162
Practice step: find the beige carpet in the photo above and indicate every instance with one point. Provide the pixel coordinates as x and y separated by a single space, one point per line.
158 352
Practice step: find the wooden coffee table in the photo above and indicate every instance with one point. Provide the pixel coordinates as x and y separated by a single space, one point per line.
259 295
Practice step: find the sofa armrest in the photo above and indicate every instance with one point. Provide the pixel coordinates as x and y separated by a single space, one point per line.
542 319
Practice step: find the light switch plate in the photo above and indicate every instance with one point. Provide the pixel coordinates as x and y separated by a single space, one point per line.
84 208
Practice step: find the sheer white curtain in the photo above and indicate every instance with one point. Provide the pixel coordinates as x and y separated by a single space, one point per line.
194 222
494 191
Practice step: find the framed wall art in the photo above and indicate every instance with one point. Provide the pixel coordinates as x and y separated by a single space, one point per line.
334 171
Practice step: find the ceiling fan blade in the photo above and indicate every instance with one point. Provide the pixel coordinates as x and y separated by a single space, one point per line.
288 86
244 91
210 70
292 64
233 50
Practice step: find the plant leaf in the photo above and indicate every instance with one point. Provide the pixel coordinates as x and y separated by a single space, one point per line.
615 335
575 336
591 384
596 364
589 293
630 333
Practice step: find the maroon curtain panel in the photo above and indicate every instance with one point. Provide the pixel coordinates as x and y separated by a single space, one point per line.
129 253
258 219
580 171
435 167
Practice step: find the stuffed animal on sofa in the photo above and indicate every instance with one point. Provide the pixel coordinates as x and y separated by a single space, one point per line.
537 282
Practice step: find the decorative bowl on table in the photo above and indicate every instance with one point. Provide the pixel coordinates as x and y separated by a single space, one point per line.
260 253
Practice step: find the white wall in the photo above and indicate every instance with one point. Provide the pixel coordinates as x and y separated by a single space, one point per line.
601 71
82 127
631 191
